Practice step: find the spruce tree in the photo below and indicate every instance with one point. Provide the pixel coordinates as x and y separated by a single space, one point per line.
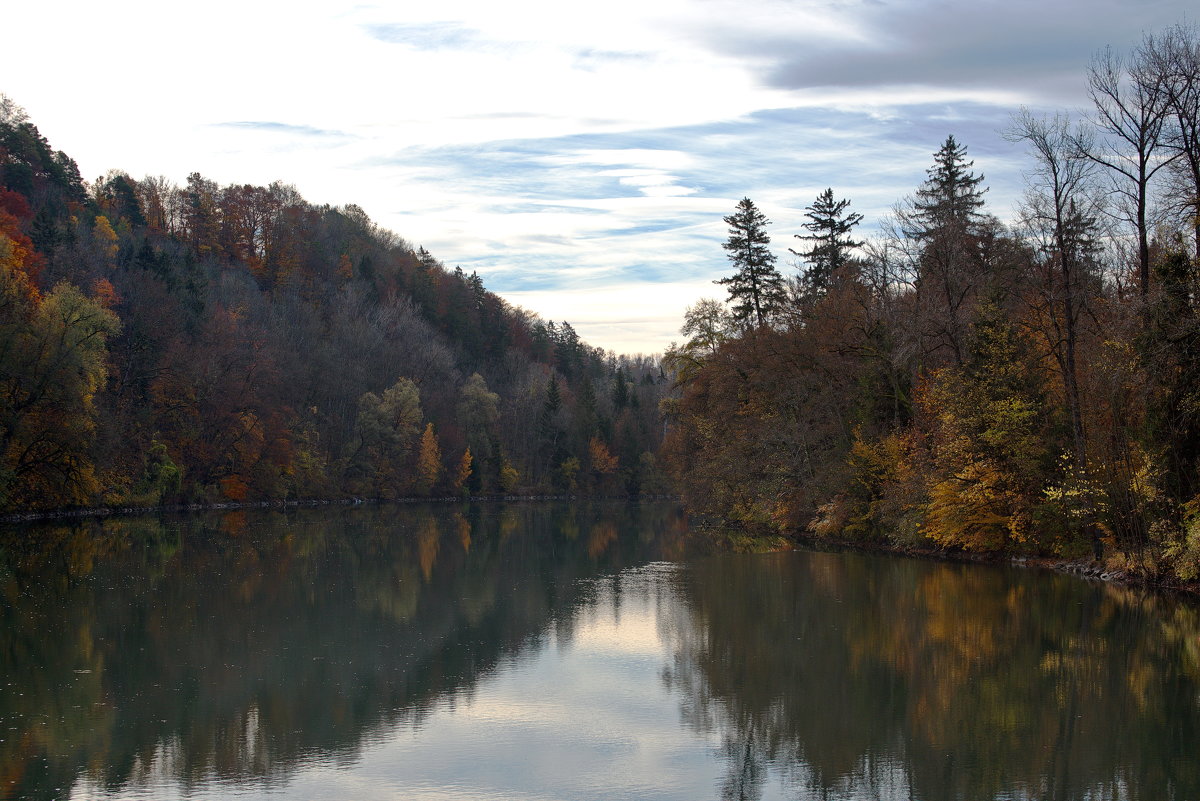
830 226
951 195
756 288
946 221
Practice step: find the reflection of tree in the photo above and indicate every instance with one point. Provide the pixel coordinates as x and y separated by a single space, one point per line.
851 674
233 647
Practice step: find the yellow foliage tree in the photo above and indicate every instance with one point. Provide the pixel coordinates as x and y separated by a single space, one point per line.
988 438
463 471
429 461
53 360
106 239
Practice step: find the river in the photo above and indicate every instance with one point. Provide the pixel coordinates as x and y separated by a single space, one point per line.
542 651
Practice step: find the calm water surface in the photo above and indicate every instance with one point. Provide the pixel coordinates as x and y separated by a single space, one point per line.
545 651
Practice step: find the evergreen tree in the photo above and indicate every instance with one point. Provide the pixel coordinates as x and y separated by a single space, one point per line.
831 243
756 288
620 393
945 220
550 424
951 196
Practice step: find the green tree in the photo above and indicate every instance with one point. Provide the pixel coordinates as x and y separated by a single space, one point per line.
478 415
551 427
945 222
756 287
707 324
830 227
951 196
386 426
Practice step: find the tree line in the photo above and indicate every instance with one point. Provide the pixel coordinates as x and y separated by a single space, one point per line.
955 381
197 343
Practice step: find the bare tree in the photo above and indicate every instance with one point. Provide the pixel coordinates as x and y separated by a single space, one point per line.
1174 58
1130 112
1059 214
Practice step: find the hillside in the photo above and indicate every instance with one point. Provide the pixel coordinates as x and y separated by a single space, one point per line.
202 343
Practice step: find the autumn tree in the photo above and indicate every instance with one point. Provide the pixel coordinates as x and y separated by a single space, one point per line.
603 462
987 436
429 461
463 472
756 287
52 364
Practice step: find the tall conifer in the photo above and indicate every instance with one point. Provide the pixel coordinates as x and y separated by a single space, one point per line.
756 288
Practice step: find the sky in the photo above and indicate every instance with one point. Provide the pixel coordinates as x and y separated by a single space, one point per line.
578 156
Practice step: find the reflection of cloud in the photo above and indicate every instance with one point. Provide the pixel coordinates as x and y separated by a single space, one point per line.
587 719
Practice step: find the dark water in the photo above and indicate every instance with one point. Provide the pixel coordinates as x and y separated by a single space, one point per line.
569 652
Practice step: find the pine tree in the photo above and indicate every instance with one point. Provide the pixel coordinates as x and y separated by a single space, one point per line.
951 196
945 220
756 288
830 226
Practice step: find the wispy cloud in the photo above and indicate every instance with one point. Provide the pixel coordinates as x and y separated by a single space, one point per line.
282 128
424 36
582 155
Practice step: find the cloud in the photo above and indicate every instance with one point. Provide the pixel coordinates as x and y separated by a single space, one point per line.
560 147
1032 47
576 213
424 36
281 127
593 59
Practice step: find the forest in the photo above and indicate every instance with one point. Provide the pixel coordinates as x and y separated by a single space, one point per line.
961 383
198 344
952 381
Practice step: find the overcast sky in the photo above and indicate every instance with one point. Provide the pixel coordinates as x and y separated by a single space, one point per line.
580 157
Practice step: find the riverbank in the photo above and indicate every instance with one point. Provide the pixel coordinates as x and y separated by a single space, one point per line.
123 511
1116 568
1107 571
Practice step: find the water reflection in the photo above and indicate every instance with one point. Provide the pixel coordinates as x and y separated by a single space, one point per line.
851 676
549 651
239 646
